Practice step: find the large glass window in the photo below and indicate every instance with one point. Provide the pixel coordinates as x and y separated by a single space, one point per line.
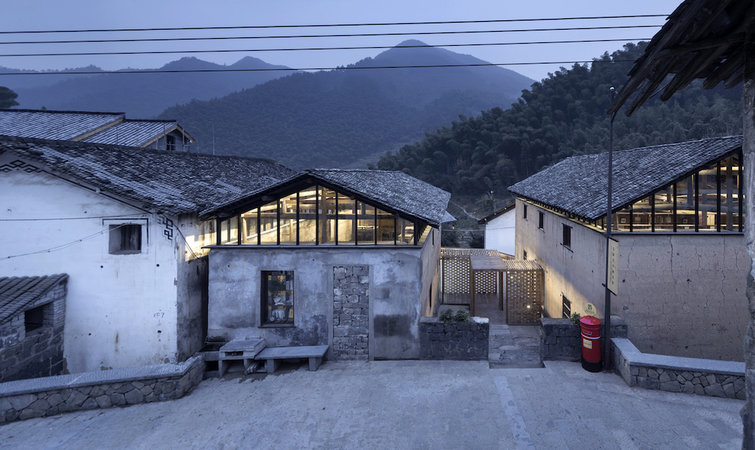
269 223
328 224
386 228
346 218
365 224
249 232
289 226
708 200
308 204
229 231
405 231
277 297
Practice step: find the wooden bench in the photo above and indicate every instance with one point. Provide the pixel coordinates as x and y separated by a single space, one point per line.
273 355
239 350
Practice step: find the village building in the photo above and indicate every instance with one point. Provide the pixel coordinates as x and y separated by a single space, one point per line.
678 218
122 223
32 318
95 127
345 258
500 229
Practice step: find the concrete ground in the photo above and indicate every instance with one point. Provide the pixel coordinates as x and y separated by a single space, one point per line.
402 404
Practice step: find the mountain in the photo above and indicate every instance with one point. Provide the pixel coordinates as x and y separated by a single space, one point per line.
348 117
138 95
563 115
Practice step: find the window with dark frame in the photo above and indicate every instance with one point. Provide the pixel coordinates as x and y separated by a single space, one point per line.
125 239
277 303
540 219
566 236
565 307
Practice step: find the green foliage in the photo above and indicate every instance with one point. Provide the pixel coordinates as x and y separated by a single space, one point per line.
7 97
462 315
575 318
446 316
563 115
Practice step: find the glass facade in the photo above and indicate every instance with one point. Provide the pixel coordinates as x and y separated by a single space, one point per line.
320 216
709 200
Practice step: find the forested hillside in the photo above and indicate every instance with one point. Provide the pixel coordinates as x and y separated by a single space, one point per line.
563 115
342 118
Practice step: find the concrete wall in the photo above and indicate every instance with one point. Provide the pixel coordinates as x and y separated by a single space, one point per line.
395 290
680 294
121 309
39 352
500 233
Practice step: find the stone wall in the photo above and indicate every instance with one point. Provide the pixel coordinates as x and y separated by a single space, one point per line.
351 312
38 353
454 340
560 338
40 397
678 374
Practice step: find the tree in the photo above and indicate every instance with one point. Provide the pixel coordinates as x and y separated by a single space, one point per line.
7 97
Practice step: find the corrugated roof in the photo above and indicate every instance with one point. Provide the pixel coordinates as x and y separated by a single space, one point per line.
135 133
16 293
66 125
395 190
579 184
171 182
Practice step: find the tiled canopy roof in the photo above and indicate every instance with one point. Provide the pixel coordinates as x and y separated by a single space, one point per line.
578 184
170 182
395 190
135 133
67 125
16 293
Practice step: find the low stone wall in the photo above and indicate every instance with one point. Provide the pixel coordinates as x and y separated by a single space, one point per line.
454 340
38 397
560 338
678 374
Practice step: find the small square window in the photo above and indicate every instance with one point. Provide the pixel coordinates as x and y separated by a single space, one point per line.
540 219
35 317
277 297
125 239
524 211
566 238
565 307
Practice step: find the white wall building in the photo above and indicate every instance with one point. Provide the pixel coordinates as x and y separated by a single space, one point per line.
123 225
500 229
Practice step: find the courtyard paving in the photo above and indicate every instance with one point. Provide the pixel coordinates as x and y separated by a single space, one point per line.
402 404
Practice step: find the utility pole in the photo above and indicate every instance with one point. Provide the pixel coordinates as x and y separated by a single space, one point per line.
609 207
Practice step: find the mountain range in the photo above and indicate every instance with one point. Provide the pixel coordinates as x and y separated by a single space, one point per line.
138 95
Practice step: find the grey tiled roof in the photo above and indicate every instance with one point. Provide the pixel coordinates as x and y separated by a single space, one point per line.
169 182
578 184
395 190
135 133
53 124
16 293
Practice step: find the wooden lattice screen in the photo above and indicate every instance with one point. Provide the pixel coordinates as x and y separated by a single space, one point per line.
456 266
524 292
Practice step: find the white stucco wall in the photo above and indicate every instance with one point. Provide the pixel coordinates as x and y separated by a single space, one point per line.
500 233
120 309
680 294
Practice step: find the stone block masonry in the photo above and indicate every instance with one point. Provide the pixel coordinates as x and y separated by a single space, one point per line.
678 374
454 340
39 397
351 312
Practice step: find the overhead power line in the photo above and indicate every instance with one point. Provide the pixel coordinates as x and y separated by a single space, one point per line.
307 69
327 25
289 49
308 36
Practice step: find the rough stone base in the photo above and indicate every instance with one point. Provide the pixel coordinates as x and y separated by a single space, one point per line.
454 340
40 397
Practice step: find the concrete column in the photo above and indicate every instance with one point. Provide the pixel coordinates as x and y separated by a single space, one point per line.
748 152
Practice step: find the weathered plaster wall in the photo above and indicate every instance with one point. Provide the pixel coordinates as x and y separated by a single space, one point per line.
430 274
394 293
500 233
121 309
680 294
191 302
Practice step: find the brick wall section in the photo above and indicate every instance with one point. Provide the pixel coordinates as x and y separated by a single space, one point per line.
678 374
40 352
40 397
454 340
560 338
351 312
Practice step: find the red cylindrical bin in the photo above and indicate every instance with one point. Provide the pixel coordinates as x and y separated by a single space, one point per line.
591 343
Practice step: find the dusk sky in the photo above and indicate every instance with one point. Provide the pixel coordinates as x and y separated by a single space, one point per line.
81 14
